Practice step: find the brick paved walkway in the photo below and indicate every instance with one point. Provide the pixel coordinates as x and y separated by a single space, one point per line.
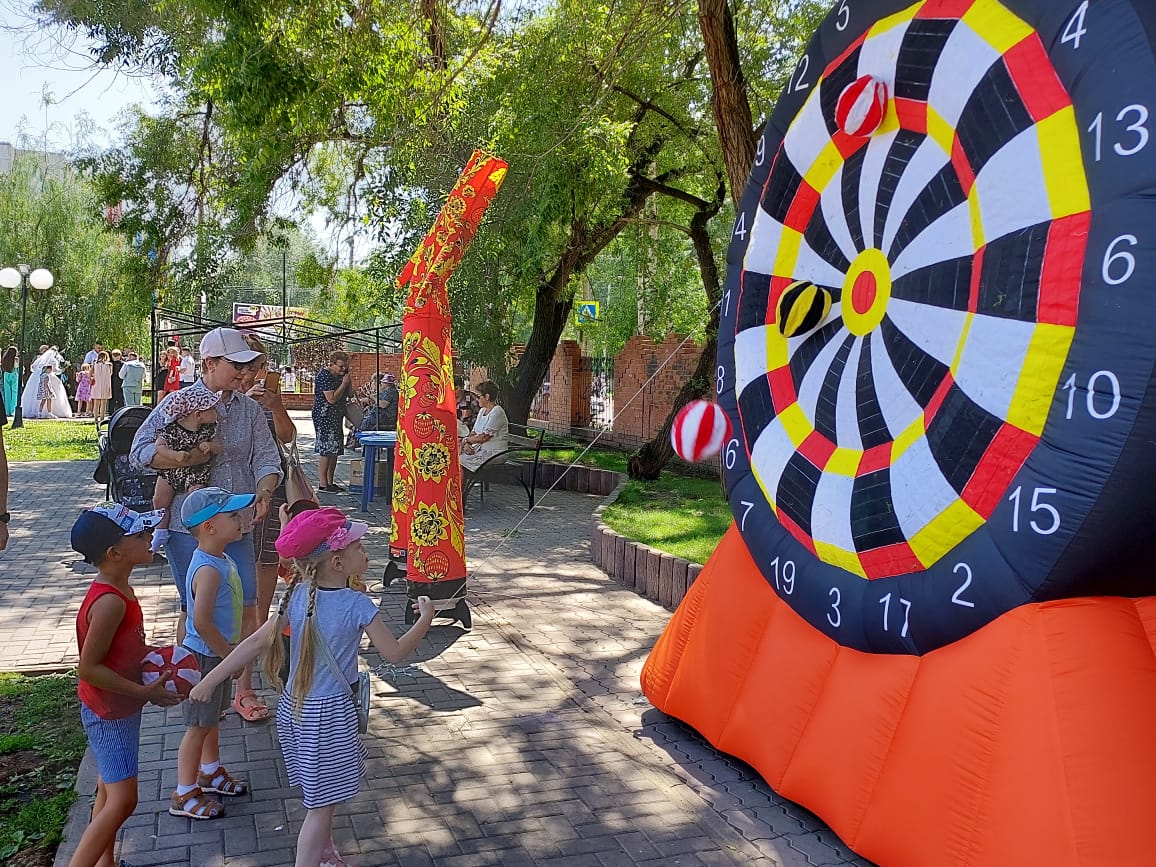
525 741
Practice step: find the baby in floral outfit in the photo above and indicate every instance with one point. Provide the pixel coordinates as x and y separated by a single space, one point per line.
191 414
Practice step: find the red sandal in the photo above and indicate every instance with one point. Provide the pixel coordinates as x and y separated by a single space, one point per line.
255 711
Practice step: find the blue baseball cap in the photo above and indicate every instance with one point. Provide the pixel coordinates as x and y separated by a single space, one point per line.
205 503
99 528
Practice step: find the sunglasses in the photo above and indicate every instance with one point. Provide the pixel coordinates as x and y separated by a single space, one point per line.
240 366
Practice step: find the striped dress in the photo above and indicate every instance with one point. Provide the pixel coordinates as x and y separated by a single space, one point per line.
322 749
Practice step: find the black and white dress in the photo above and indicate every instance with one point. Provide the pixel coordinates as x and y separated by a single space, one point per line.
322 749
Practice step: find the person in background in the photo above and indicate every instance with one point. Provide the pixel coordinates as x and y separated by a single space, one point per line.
4 516
358 408
45 393
117 384
491 433
172 370
288 380
84 391
132 374
259 384
101 387
93 355
68 377
10 365
331 391
468 407
187 371
383 417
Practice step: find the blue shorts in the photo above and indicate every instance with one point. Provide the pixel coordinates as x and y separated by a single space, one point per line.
115 744
180 547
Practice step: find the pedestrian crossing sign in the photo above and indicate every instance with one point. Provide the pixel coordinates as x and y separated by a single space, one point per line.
587 313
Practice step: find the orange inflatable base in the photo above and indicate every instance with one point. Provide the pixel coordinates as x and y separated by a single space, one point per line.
1030 742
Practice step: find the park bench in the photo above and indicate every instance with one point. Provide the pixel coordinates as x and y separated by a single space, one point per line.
518 463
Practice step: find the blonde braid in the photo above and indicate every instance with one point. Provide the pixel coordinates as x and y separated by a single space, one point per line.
275 649
303 681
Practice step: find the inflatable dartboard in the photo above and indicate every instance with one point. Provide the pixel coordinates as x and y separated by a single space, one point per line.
965 429
937 353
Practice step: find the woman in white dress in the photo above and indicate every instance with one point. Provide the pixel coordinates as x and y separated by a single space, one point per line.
30 402
491 434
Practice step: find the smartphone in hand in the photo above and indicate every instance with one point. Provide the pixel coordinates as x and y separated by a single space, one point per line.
273 381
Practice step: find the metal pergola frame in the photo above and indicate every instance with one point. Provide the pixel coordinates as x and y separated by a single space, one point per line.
280 334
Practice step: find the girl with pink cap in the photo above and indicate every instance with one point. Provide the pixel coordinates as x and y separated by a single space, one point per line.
316 716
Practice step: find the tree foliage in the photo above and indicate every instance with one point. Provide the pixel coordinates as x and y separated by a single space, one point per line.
51 217
607 113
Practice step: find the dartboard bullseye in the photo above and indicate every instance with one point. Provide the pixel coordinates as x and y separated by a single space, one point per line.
948 440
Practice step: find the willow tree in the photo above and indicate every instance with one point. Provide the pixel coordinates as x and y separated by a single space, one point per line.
51 217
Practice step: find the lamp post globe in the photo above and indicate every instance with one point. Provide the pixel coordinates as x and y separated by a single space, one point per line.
9 278
41 279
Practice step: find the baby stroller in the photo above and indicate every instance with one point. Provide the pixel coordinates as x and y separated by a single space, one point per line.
124 483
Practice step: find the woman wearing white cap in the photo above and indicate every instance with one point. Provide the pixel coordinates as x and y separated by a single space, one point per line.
250 462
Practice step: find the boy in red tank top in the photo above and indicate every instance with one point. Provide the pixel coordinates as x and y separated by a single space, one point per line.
110 633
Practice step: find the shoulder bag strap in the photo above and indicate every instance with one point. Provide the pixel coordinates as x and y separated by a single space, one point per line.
331 661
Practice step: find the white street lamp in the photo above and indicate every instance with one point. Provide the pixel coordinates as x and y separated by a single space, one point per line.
20 278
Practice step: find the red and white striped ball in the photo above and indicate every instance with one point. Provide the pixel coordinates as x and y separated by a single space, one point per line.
175 659
699 431
861 106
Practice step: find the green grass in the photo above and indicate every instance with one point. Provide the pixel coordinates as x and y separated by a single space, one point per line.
51 441
602 458
683 516
41 744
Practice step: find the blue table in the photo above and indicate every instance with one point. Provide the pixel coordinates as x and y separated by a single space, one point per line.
371 441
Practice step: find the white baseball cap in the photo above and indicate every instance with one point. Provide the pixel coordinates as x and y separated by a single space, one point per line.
227 343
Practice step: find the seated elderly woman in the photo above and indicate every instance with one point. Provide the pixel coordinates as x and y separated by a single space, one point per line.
491 433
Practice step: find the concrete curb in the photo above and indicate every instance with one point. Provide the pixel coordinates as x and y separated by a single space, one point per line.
86 777
657 575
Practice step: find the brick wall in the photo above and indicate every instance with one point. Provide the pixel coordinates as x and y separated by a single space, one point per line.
637 416
565 390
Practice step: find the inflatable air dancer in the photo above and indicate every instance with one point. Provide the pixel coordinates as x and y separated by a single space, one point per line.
933 622
427 541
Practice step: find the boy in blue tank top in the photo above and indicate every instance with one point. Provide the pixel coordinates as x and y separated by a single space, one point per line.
212 628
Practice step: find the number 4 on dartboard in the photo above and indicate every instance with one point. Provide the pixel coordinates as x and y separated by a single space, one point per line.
1075 28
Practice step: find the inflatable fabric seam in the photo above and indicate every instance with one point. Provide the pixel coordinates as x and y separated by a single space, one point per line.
853 833
982 802
826 680
1148 633
1057 730
725 727
690 607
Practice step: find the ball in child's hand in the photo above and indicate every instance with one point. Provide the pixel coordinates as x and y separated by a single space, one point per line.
699 430
177 661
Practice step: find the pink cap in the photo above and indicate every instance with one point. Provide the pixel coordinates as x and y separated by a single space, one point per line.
317 531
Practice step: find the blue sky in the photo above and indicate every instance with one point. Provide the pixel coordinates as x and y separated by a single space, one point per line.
37 59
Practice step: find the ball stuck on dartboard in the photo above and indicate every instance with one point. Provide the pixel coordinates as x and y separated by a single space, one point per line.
802 308
699 431
862 106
